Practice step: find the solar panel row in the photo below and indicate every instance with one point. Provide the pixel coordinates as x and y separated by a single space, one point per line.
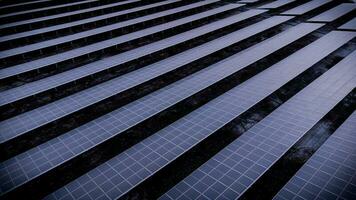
197 44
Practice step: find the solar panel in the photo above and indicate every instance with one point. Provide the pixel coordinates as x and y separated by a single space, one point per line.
330 173
334 13
94 48
33 88
45 114
307 7
75 12
164 146
248 1
77 141
207 104
350 25
89 33
44 9
73 37
23 4
236 167
276 4
75 23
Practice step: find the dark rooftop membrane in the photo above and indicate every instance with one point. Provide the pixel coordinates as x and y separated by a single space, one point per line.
178 99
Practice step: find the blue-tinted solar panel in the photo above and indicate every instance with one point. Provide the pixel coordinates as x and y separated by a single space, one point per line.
33 88
350 25
78 22
237 167
331 172
77 141
306 7
334 13
37 165
23 4
147 157
44 9
276 4
73 37
248 1
75 53
45 114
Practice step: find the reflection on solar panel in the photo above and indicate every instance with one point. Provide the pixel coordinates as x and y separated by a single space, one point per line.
98 99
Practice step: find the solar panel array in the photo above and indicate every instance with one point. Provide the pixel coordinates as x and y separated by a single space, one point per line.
330 172
100 99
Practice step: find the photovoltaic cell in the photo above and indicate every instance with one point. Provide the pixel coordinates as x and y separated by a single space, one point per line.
334 13
234 169
75 53
299 10
81 139
331 172
145 158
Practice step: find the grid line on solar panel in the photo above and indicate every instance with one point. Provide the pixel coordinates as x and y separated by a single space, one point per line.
161 148
237 166
33 88
89 135
48 113
334 13
304 8
85 34
75 53
45 9
75 23
330 173
276 4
